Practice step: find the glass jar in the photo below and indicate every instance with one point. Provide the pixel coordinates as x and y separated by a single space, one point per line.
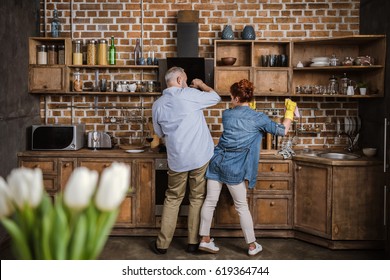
77 83
91 52
41 54
102 52
52 55
150 86
61 54
77 53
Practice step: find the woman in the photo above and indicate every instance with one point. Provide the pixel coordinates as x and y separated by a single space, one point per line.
236 159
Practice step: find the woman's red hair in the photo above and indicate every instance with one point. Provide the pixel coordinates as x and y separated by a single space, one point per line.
243 90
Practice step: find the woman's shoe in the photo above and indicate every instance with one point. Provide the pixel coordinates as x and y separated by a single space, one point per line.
256 250
209 247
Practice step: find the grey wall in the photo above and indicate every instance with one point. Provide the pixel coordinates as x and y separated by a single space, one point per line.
18 109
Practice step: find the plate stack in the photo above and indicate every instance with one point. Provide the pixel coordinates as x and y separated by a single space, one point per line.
319 62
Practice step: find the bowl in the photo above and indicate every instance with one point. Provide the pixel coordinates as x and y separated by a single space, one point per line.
228 61
370 152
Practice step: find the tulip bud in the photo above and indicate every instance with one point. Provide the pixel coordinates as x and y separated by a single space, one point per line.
26 186
6 207
80 187
113 186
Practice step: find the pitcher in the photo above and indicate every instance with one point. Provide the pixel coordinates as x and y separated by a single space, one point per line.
351 87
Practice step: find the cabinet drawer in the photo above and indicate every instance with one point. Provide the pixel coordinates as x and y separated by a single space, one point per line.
273 184
270 81
98 165
274 168
272 211
47 166
50 183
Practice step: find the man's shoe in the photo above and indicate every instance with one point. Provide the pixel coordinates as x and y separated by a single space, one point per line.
192 248
256 250
209 247
156 250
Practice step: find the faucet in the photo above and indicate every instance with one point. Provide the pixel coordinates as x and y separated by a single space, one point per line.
350 147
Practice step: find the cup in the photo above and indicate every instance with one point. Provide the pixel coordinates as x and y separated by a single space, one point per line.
264 60
283 60
272 60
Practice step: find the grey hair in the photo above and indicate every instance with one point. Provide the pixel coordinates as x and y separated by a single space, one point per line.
172 73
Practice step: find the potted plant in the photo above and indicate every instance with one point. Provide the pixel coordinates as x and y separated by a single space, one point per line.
362 88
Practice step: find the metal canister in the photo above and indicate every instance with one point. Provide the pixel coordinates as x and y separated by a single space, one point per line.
102 52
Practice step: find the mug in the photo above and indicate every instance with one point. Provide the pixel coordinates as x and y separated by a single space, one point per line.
264 60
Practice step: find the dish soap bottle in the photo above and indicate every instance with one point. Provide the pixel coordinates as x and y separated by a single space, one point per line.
112 53
55 25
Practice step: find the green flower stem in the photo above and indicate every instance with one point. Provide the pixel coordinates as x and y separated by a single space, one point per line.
105 223
19 239
92 219
78 238
61 234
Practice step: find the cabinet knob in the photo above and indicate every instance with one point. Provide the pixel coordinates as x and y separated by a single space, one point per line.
67 164
271 203
299 168
106 165
37 166
271 89
272 168
271 186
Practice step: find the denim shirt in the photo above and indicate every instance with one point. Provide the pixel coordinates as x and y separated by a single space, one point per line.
236 157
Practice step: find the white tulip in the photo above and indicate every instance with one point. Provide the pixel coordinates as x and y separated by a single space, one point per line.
113 186
6 207
26 186
80 188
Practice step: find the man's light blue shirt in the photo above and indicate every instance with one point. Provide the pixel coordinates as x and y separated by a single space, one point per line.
178 118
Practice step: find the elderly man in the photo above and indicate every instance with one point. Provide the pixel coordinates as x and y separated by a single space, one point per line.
178 118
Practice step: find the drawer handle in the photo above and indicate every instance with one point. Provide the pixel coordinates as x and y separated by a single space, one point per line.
299 168
272 168
271 203
271 186
37 166
271 89
67 164
107 165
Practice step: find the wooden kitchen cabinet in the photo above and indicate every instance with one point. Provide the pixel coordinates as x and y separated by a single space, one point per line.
283 81
48 78
270 202
343 205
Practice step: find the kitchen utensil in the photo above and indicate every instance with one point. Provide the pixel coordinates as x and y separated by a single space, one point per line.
370 152
353 125
228 61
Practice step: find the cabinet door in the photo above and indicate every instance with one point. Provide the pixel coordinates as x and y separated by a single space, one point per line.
47 79
126 214
49 171
66 167
312 194
358 203
268 82
226 76
144 177
272 211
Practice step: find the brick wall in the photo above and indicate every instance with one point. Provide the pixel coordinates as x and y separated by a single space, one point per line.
156 20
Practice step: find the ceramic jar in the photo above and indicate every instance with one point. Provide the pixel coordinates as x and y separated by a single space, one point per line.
248 33
227 33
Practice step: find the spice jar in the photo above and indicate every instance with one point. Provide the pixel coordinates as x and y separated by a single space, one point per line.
41 54
52 55
77 83
102 52
77 53
61 54
91 52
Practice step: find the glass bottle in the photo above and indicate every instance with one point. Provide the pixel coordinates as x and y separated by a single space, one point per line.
137 53
91 52
150 58
112 53
55 25
102 52
77 53
52 55
41 54
77 83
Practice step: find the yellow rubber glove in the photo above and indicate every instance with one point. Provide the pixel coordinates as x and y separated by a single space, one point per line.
290 108
252 104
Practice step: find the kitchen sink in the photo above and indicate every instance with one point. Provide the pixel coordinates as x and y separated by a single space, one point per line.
335 155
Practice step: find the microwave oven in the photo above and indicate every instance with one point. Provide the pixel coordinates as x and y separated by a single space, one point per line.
58 137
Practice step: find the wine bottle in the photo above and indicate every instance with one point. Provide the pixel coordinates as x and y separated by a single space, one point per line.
112 53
